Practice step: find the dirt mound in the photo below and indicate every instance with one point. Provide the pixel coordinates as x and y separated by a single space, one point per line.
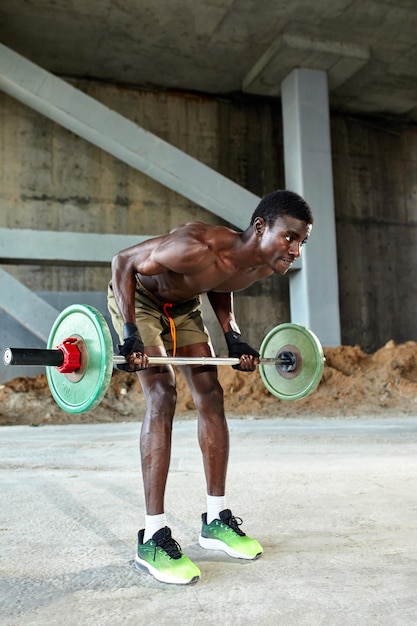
354 383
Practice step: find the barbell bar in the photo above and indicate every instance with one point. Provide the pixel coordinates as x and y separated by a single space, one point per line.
79 359
56 358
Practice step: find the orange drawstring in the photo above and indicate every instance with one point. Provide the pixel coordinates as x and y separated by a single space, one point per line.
172 328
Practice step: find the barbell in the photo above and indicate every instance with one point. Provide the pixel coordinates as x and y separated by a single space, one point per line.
79 359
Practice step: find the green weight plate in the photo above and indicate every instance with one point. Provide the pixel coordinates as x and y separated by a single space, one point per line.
84 389
309 361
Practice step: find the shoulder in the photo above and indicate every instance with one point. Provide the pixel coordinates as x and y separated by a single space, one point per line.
210 235
202 229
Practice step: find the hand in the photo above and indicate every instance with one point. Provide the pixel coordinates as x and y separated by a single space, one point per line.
132 349
238 348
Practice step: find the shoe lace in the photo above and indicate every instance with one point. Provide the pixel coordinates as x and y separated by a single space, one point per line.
234 523
170 546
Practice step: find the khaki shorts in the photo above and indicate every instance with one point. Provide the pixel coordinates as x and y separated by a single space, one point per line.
154 325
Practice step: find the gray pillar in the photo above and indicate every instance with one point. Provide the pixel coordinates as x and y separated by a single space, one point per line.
314 293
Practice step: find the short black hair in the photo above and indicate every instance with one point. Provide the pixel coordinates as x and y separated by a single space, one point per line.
283 202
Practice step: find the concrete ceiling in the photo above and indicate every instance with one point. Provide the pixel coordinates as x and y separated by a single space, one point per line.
368 47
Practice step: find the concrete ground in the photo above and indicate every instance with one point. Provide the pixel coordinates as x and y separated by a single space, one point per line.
334 503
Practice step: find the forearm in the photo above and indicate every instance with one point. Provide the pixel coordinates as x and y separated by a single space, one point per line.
124 286
222 305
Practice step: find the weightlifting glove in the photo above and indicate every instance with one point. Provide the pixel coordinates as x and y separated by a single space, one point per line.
237 347
132 343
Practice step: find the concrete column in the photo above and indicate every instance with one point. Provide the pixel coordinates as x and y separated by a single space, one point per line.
314 293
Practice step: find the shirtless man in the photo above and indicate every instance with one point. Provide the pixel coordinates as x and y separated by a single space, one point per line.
154 301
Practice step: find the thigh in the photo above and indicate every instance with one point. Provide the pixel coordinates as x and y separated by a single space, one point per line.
191 331
148 318
201 379
158 383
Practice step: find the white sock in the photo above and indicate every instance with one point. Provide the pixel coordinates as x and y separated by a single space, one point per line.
215 504
153 523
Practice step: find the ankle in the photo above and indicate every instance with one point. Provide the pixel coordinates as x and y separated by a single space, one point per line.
153 523
215 504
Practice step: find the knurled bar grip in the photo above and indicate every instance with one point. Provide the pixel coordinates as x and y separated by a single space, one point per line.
55 358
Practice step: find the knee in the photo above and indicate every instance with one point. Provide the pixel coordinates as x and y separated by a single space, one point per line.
161 401
210 399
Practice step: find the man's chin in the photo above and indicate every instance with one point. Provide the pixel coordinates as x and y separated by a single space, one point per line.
281 270
283 267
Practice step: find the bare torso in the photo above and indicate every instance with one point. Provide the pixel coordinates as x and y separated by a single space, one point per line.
195 258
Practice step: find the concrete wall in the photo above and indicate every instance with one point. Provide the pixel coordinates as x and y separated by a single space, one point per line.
375 176
53 180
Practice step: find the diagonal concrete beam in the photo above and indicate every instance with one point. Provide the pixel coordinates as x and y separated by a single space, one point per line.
35 314
110 131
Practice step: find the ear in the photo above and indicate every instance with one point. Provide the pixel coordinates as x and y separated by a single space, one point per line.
259 226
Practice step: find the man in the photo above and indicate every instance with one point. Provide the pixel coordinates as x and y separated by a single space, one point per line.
154 301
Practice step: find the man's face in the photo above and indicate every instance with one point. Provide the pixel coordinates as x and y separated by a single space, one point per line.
280 245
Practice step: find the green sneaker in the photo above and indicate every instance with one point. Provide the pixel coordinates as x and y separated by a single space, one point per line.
161 556
225 534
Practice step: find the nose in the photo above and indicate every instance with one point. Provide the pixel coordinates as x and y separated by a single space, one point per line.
295 249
